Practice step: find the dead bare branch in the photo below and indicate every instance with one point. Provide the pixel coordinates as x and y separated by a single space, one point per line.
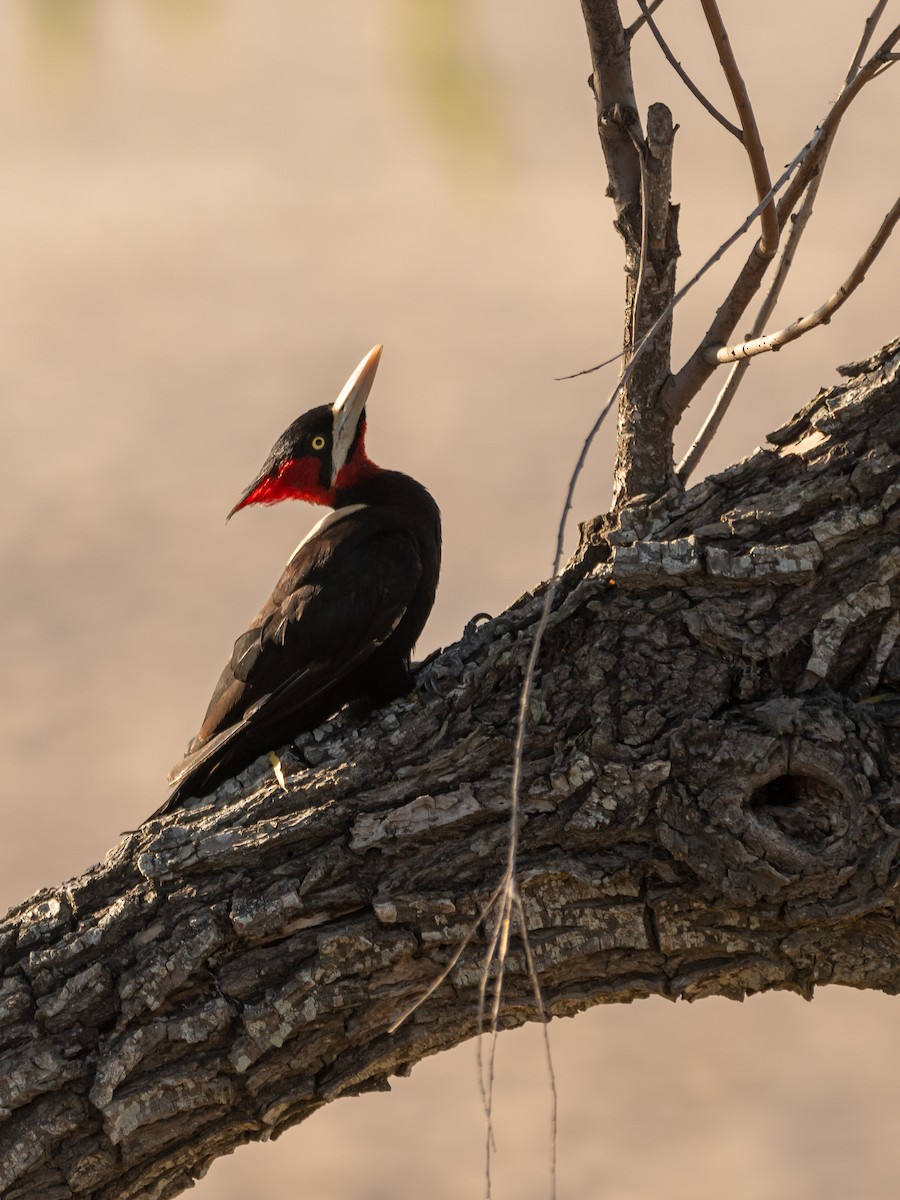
687 382
701 443
644 428
823 314
683 75
751 140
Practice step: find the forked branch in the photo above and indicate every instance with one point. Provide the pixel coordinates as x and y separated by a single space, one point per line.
798 225
684 386
636 24
679 70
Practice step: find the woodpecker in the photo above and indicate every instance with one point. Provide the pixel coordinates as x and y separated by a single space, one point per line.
350 605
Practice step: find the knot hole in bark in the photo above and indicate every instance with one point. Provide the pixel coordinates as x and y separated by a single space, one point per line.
773 801
801 806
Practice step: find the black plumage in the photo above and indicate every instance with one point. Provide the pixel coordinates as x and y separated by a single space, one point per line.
350 605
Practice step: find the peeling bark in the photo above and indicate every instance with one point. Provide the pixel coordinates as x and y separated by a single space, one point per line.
710 806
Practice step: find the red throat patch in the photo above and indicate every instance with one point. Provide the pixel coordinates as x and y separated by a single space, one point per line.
298 479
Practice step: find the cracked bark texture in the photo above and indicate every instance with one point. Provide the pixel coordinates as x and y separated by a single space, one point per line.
711 806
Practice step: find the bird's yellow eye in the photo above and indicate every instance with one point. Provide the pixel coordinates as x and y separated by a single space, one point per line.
318 442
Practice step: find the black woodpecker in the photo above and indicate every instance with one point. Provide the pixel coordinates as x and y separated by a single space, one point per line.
342 621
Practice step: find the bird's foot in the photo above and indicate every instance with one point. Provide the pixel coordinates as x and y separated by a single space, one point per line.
432 675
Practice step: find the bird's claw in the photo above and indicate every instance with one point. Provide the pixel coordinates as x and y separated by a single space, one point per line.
473 624
432 674
442 665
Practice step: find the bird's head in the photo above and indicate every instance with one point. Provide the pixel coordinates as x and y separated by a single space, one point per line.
323 453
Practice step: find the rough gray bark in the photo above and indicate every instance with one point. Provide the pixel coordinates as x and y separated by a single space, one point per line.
711 805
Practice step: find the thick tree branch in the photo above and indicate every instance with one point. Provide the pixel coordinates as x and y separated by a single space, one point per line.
711 804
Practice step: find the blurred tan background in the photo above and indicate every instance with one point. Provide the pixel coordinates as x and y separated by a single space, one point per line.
209 210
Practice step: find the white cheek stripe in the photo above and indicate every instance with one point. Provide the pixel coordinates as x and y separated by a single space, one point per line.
326 522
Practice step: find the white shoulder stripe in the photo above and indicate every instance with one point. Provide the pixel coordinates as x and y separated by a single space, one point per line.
327 521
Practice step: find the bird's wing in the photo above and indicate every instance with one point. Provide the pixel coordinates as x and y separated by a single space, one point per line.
340 597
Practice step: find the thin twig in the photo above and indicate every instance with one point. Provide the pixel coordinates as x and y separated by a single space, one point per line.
486 1079
868 30
823 314
502 949
607 362
539 1002
696 370
682 74
797 161
486 1097
636 24
710 427
751 140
